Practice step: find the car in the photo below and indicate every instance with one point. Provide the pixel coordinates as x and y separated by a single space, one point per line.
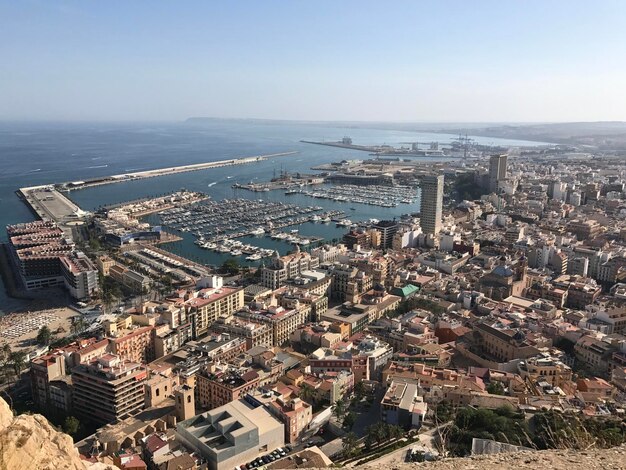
265 459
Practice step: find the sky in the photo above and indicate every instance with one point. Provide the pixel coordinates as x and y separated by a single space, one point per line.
411 61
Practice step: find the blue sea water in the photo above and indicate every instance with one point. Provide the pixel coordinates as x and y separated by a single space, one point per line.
43 153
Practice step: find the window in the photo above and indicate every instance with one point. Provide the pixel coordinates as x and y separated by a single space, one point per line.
188 398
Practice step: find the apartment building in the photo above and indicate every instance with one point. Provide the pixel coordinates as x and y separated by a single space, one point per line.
205 306
216 389
286 267
295 414
255 334
108 389
43 257
134 344
402 406
503 344
282 321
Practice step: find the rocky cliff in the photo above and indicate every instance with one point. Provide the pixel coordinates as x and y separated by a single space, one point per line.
596 459
30 442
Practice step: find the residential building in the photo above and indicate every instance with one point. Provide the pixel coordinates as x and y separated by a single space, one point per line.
402 406
108 389
287 267
431 204
387 230
497 171
205 306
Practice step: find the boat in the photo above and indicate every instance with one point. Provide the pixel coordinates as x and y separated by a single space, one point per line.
352 209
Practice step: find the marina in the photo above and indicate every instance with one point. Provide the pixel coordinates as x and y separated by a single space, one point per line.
217 224
382 196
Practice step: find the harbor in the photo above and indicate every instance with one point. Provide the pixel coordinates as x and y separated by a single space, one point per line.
414 150
382 196
217 224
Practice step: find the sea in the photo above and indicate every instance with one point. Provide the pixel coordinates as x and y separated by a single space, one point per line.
43 153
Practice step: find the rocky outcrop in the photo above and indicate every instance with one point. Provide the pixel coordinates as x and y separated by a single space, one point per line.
596 459
29 442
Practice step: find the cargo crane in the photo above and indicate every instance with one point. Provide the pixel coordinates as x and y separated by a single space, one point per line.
464 142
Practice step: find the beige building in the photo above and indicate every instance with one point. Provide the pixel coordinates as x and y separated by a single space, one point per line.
207 305
287 267
108 389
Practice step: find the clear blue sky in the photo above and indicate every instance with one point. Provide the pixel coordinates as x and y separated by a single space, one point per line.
470 60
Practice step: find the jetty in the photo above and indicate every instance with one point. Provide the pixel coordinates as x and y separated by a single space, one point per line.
75 185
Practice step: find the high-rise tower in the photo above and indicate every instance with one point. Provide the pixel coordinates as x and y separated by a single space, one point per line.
432 204
497 171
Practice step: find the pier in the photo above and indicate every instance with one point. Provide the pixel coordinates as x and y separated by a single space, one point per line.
49 204
75 185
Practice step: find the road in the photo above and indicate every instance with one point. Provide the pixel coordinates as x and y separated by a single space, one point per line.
399 455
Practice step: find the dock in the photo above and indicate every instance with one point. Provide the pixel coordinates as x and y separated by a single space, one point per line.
76 185
343 145
49 204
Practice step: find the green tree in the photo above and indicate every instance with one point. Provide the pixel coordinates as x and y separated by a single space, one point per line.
94 244
339 408
359 390
17 359
78 325
495 388
231 266
5 354
349 444
395 432
307 393
349 420
44 336
71 425
376 434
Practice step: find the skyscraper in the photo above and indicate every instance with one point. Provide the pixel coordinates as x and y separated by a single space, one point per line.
432 204
497 171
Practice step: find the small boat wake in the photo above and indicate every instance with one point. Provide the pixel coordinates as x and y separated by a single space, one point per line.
97 166
212 184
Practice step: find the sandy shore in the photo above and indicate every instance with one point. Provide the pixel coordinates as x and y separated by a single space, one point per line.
20 329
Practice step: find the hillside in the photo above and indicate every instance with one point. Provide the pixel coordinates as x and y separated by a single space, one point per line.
30 442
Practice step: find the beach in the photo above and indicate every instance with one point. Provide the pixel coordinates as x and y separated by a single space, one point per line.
20 329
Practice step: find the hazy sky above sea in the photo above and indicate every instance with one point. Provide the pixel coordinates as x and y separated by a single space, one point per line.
500 60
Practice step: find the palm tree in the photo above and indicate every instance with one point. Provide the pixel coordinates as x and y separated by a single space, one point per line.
44 336
5 353
18 362
359 390
349 444
107 300
78 325
395 432
339 408
307 393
